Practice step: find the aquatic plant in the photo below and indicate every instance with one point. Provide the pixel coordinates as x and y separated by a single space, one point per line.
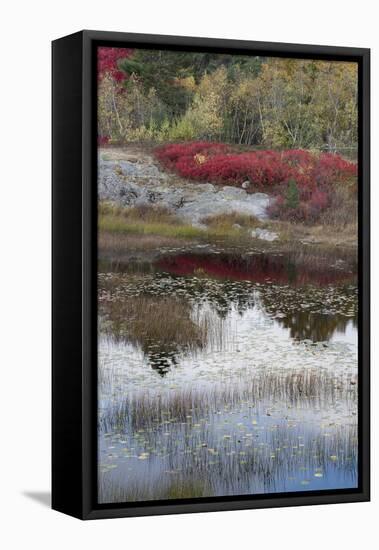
264 413
222 455
308 388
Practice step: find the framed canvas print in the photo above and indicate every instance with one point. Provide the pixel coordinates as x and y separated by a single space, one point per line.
210 274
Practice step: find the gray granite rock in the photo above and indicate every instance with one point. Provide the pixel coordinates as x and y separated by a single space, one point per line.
138 183
264 234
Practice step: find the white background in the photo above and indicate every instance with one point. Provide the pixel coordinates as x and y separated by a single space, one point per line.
26 31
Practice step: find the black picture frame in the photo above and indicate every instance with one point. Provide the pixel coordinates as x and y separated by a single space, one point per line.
74 332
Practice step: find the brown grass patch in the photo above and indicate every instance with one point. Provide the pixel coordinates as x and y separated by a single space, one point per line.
118 243
155 323
226 221
343 210
144 213
327 237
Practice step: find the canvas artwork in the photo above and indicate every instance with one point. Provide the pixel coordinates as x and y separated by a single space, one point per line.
227 275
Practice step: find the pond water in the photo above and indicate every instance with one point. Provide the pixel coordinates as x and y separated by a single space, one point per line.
226 375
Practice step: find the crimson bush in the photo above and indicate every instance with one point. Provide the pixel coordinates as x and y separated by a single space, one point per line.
102 140
107 62
313 174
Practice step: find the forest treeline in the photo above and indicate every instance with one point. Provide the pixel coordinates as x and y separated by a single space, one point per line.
154 95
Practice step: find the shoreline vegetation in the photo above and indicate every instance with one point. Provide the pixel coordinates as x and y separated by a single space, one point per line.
285 127
148 228
115 220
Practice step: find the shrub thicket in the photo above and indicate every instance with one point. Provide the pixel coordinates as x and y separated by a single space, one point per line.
302 181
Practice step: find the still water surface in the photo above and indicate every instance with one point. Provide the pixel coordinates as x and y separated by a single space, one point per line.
226 375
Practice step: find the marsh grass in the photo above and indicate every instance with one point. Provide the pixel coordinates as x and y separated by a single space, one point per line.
118 245
144 319
239 465
138 228
342 213
223 222
143 220
146 213
158 325
163 327
256 437
123 225
155 220
308 388
333 237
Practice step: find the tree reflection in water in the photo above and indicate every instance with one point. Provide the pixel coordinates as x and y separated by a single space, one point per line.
185 311
315 326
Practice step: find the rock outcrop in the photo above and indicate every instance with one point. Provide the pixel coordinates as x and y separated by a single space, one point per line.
141 182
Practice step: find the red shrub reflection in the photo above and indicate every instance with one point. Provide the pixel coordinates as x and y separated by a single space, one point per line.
260 268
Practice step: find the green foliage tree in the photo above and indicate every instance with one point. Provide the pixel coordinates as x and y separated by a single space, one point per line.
292 195
249 100
163 70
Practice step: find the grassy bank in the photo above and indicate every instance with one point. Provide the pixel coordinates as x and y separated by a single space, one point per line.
158 221
149 228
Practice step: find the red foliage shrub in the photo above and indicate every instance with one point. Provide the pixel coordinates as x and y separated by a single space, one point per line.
279 209
319 199
169 155
331 168
296 157
102 140
107 61
309 208
262 169
218 163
